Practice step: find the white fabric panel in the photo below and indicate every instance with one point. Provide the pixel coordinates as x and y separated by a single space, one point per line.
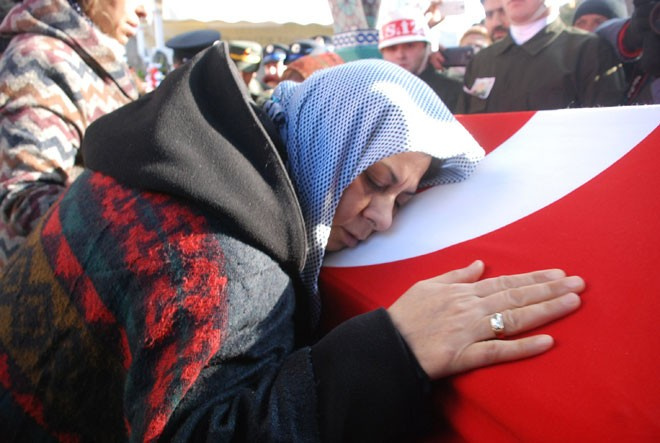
555 153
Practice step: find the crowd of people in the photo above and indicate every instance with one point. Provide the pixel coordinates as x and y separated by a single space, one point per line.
563 66
160 251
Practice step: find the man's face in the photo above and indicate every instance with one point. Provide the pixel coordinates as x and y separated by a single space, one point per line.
247 76
496 20
589 22
273 73
522 12
410 56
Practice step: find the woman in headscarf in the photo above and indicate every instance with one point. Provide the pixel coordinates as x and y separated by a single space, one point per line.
63 67
173 295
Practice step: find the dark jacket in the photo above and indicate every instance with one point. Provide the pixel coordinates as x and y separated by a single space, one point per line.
159 298
447 88
560 67
642 87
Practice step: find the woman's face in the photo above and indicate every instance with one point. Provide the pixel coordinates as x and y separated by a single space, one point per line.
120 19
371 200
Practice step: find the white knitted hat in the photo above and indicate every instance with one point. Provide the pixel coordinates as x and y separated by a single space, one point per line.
402 25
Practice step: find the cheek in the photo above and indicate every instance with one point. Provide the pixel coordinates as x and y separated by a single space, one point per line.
334 241
108 22
387 55
352 202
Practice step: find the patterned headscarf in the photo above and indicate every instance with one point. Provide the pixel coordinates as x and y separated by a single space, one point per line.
341 120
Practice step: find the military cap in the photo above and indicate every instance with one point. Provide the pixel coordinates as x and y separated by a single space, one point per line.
186 45
246 54
304 47
275 52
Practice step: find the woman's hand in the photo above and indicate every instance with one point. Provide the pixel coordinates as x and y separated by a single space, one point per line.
446 320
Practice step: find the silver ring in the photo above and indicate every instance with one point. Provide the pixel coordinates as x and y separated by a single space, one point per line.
497 324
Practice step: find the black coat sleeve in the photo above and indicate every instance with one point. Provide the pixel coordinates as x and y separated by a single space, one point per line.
358 383
370 387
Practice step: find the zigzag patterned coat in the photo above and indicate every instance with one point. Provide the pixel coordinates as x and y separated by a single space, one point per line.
58 74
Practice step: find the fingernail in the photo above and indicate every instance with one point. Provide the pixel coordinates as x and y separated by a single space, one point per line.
544 341
571 300
574 283
555 274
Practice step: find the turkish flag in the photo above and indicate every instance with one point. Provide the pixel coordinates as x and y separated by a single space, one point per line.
576 189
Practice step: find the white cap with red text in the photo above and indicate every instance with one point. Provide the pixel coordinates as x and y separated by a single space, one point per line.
403 25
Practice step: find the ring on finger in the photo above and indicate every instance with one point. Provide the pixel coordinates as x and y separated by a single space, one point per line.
497 324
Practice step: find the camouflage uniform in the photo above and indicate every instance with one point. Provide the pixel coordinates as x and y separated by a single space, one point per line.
58 74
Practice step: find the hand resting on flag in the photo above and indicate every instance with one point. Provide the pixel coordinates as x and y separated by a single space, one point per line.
446 320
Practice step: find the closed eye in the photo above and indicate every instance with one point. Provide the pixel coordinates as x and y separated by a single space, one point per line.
375 184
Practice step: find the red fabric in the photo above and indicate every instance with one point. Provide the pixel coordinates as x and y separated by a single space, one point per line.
491 132
600 382
181 354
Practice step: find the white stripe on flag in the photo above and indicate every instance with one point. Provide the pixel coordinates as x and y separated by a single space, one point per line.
555 153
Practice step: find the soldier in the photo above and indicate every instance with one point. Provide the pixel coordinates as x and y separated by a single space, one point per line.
305 46
273 64
541 64
247 57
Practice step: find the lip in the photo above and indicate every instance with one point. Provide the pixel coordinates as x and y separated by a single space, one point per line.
349 239
499 33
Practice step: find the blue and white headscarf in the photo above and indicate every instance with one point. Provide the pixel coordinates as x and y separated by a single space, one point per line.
342 120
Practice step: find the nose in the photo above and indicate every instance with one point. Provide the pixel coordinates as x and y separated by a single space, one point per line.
380 213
